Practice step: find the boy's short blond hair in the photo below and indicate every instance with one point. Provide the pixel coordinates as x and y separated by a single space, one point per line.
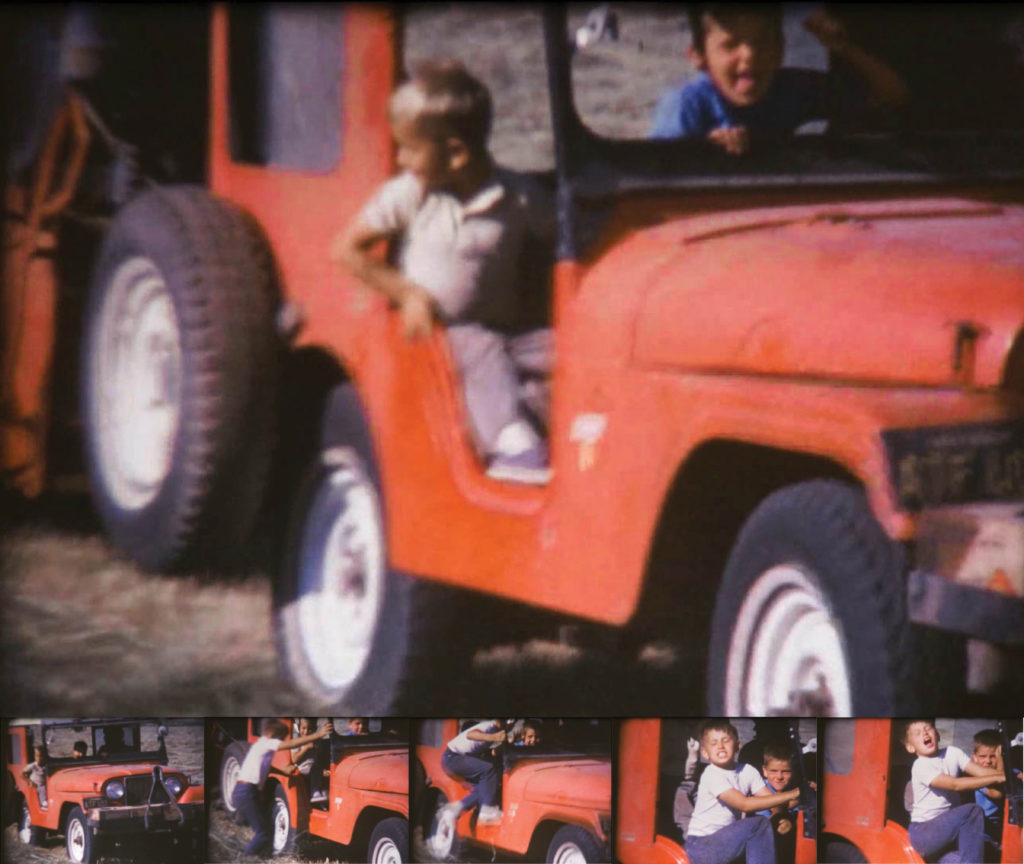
908 723
778 751
273 728
717 724
443 100
987 738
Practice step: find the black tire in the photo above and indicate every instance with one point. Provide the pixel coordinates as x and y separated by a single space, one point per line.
230 764
400 639
78 839
842 852
573 838
282 834
388 835
179 379
813 554
29 834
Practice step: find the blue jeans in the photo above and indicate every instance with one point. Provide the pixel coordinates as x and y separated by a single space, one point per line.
246 799
752 836
482 773
962 826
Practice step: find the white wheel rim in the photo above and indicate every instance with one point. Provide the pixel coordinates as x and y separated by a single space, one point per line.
25 829
342 578
568 853
386 852
282 825
229 781
786 654
136 383
76 840
440 843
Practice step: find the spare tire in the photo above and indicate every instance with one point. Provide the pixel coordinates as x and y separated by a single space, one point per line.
179 378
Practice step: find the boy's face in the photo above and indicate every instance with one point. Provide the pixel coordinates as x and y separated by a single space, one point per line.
778 773
357 726
986 757
40 755
305 728
718 747
922 739
426 159
742 52
530 736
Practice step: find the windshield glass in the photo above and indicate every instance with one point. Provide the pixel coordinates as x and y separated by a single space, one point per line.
853 89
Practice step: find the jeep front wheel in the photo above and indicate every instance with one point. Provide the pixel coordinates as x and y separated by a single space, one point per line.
351 631
282 833
389 842
809 616
574 845
78 838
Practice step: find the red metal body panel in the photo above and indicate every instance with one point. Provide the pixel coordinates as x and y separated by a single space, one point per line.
364 777
717 324
546 789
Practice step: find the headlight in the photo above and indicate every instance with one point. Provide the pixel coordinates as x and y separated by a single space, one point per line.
174 785
114 790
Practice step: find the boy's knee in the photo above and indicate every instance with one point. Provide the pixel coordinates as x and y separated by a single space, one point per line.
763 826
975 815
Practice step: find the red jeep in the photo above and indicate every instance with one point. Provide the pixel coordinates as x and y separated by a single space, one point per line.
865 774
116 792
787 428
651 759
367 803
555 796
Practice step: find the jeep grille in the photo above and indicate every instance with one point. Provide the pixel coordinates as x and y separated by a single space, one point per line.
136 790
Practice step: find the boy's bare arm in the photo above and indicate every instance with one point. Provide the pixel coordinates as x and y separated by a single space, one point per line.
477 735
979 778
761 800
886 85
353 248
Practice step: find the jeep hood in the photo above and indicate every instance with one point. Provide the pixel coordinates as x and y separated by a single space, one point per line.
89 778
926 293
386 771
583 783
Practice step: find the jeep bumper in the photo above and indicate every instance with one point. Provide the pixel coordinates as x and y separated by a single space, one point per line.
969 577
162 818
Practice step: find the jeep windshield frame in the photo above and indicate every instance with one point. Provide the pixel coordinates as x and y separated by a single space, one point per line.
592 167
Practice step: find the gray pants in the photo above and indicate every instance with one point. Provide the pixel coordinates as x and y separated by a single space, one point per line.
504 377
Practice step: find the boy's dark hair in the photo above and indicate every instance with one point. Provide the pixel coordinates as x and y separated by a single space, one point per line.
777 750
717 724
908 723
41 748
81 747
721 12
987 738
445 101
311 721
274 728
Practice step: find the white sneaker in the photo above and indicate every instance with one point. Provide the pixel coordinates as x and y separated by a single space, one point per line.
489 816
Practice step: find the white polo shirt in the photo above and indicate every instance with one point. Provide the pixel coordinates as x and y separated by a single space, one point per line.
466 254
929 802
710 814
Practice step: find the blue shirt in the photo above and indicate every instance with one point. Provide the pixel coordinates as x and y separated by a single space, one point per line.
992 812
696 108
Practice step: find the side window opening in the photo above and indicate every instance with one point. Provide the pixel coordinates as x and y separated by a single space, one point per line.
285 85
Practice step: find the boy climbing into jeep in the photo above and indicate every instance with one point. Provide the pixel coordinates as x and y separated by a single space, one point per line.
743 88
728 790
463 226
938 821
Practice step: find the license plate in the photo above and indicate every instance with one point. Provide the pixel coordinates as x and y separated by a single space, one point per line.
942 465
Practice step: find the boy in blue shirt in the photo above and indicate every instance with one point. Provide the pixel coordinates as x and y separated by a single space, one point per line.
988 754
742 87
